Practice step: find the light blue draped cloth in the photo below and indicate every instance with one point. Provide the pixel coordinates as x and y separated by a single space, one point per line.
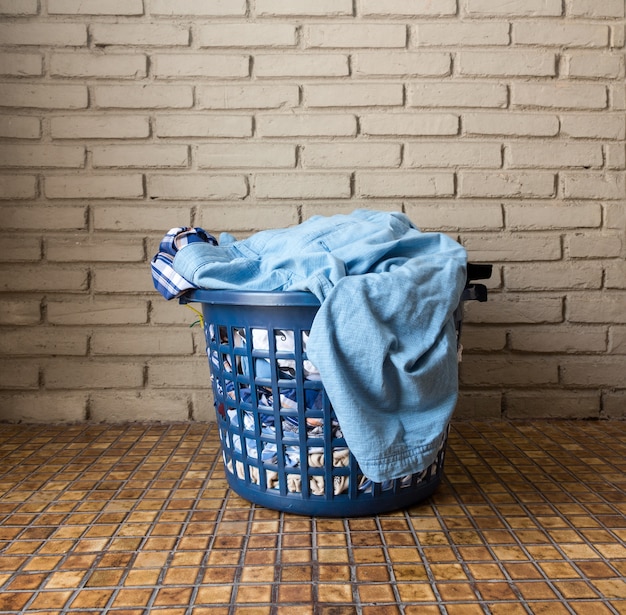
383 339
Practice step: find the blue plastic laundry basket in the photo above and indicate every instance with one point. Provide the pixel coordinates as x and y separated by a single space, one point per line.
281 443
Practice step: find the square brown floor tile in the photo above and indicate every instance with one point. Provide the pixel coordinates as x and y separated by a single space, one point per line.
530 518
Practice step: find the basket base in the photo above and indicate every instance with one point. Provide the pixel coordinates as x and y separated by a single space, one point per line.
377 499
295 504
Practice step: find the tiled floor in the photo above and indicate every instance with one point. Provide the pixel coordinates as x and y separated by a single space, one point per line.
130 519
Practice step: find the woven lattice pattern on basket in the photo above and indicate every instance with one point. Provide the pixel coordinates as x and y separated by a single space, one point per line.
280 436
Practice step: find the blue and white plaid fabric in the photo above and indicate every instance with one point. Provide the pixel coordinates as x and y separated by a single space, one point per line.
169 283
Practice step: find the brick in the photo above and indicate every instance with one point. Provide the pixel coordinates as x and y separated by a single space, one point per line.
140 35
594 126
593 186
591 64
20 127
95 7
512 248
20 311
122 66
558 339
246 35
401 63
172 313
245 218
55 218
52 34
550 404
553 276
17 187
353 95
52 156
100 127
302 185
562 95
330 209
605 308
614 216
28 278
539 216
511 124
445 154
528 63
150 341
301 65
18 374
350 154
145 96
21 64
355 35
247 96
197 186
494 185
410 124
595 10
589 372
615 156
16 248
87 248
43 96
203 406
467 94
594 245
186 374
306 125
617 339
513 8
145 156
246 155
199 8
561 154
43 407
168 66
122 218
44 341
614 404
129 406
127 279
549 33
408 8
304 8
190 125
617 97
93 375
404 184
508 371
483 339
96 311
615 275
478 406
455 216
458 34
18 7
94 187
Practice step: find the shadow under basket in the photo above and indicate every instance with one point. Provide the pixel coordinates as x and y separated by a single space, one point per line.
265 391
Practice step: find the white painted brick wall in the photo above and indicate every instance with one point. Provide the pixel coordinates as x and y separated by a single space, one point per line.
500 122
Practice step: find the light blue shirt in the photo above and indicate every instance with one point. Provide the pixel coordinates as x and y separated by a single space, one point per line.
383 339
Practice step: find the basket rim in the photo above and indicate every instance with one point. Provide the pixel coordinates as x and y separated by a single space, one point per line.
251 298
